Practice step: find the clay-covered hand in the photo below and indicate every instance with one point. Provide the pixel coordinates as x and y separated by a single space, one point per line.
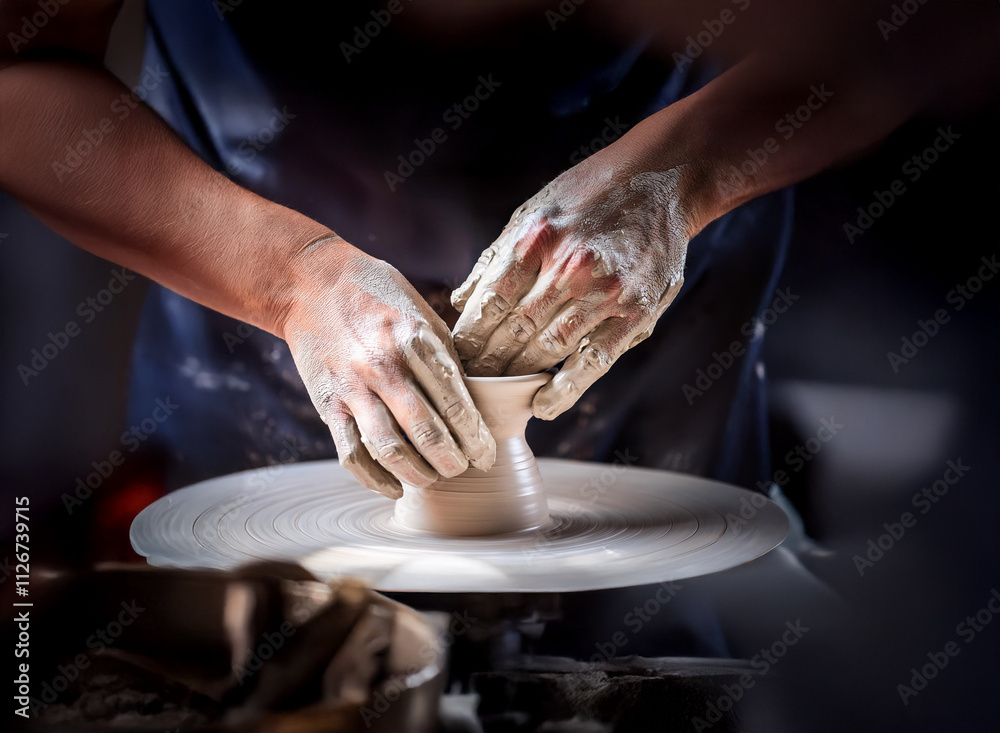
381 370
581 272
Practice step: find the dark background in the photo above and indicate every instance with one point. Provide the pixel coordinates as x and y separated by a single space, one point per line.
826 357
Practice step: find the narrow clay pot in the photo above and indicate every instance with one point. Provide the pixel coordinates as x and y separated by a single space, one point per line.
508 497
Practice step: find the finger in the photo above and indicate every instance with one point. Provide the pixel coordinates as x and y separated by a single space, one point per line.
536 309
355 458
440 379
497 292
665 300
511 273
558 339
590 362
425 429
460 296
573 279
596 356
384 439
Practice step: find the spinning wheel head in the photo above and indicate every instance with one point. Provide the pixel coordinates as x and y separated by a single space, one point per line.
608 527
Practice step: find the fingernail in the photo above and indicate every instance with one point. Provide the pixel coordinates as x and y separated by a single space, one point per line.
456 464
485 454
549 407
484 459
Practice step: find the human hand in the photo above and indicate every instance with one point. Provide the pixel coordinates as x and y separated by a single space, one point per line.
582 272
381 370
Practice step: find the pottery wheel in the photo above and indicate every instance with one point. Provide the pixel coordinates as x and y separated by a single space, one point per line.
609 527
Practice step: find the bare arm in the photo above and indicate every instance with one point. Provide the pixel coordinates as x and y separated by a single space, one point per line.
585 268
108 175
104 171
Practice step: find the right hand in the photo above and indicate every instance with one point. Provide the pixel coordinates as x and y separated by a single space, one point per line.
382 372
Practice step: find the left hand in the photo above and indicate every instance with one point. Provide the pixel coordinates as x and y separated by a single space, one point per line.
582 272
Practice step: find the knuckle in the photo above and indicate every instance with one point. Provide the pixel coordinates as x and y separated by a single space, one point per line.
427 434
494 305
455 412
522 327
638 301
553 343
640 337
583 258
486 257
419 345
327 405
558 336
330 407
391 453
488 364
594 358
380 366
613 285
539 237
417 342
467 344
479 368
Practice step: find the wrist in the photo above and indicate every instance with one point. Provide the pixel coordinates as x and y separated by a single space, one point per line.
316 261
672 142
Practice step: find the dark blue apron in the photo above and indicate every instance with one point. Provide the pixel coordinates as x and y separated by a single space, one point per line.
275 100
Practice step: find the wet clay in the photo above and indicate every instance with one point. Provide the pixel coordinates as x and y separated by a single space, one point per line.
509 496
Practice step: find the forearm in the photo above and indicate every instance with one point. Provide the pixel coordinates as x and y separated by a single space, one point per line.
742 135
132 192
818 92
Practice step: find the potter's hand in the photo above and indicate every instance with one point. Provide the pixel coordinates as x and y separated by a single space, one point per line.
382 372
583 270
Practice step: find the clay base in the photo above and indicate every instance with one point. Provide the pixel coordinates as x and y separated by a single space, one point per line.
507 498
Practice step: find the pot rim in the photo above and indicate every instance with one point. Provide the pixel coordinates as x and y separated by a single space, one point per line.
507 380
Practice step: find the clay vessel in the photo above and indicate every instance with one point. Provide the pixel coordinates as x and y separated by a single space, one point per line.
506 498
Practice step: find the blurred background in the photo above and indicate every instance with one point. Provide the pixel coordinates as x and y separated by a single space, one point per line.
827 358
